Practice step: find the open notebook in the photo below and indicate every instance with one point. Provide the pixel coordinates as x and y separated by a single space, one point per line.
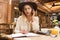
24 35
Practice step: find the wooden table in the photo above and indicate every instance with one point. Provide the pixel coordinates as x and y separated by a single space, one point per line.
40 37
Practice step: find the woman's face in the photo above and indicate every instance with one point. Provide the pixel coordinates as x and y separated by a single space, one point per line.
27 10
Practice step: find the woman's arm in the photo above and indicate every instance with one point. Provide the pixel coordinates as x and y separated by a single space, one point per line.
21 26
35 24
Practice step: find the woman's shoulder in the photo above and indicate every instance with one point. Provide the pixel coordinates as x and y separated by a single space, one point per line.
19 18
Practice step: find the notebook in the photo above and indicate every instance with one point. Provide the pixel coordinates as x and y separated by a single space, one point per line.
24 35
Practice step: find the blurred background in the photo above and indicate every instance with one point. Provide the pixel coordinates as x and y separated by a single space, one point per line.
47 11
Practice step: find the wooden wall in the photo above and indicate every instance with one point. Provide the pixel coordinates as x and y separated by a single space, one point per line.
5 11
5 15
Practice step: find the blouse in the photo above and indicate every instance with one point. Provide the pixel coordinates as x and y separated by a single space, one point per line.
22 23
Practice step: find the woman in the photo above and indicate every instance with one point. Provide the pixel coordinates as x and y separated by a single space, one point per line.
27 22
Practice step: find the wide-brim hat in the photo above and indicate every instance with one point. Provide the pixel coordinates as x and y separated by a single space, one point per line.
34 5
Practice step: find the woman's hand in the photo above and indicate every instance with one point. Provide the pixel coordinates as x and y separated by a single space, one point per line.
34 13
23 31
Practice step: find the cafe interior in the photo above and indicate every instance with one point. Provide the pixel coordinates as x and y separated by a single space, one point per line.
48 12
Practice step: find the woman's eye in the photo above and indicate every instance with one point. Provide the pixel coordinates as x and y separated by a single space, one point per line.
28 8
